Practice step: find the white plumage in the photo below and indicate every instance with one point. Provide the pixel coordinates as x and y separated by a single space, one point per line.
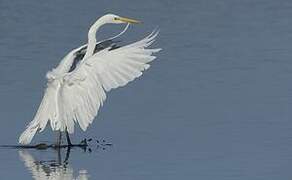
75 97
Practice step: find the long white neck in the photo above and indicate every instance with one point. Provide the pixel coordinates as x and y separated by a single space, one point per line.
92 38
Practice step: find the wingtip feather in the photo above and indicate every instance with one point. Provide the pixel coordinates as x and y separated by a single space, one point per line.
27 135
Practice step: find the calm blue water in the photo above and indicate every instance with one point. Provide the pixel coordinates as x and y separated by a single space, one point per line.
216 104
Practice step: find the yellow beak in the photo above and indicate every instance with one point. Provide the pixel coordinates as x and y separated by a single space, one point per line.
128 20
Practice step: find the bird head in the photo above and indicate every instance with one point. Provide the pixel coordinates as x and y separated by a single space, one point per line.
115 19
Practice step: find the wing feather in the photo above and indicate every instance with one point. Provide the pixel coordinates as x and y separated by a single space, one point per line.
83 91
46 111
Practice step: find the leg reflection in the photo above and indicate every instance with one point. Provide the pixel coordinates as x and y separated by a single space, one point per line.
46 168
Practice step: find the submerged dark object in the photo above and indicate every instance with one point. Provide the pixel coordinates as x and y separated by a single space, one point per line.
42 146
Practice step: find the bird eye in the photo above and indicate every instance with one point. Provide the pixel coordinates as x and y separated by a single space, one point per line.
115 18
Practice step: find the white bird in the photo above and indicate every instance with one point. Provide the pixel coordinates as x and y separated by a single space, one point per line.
77 87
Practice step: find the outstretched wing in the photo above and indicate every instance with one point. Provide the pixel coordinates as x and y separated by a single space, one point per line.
46 111
83 91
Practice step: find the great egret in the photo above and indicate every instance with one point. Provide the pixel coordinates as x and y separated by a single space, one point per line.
77 87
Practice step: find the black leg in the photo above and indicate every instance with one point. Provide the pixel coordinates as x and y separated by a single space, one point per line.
67 155
68 138
59 138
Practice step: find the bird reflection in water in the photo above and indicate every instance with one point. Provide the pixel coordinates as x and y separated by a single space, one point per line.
57 168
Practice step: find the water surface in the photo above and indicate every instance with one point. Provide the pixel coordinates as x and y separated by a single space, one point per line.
216 104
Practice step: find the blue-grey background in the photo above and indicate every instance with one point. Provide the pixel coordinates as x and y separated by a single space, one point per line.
216 104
